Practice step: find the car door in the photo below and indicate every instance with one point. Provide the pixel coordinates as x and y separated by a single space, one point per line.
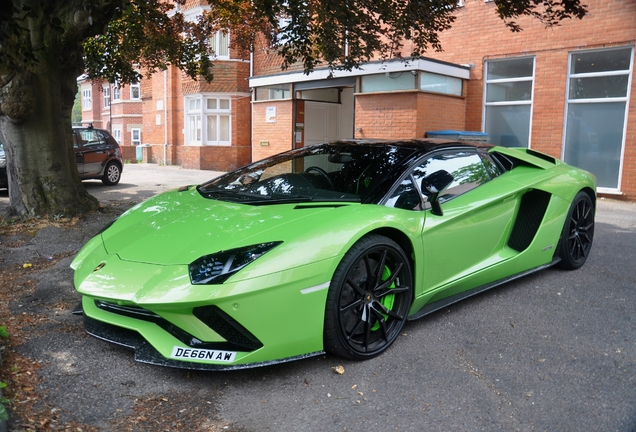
91 151
472 232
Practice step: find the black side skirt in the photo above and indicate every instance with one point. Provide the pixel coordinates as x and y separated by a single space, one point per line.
440 304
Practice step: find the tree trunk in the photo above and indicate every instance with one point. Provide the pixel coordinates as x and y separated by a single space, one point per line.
35 123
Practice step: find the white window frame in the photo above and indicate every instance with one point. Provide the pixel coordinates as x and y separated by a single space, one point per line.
117 134
135 141
510 103
106 95
219 43
625 99
87 103
116 92
133 87
197 115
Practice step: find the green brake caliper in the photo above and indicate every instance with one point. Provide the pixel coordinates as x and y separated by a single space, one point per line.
387 300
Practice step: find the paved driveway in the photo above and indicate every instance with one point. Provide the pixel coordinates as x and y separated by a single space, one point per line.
138 182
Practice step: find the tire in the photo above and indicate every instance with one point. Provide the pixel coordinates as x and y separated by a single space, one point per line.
112 174
367 308
578 233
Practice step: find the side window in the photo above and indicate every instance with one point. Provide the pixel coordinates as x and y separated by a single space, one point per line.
406 196
467 169
90 137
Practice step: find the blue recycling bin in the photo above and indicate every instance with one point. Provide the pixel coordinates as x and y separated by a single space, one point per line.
457 135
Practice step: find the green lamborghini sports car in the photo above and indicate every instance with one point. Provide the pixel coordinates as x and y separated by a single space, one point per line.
329 248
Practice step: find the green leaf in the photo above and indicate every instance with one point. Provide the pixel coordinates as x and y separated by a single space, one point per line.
3 332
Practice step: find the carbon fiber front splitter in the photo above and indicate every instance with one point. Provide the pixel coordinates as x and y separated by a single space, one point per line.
146 353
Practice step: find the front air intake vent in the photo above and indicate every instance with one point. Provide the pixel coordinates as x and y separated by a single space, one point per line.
227 327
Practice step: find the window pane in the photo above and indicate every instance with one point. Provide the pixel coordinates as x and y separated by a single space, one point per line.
599 87
467 170
515 68
282 91
508 126
601 61
440 84
212 129
406 196
224 128
224 104
382 82
510 91
211 104
195 128
594 139
223 45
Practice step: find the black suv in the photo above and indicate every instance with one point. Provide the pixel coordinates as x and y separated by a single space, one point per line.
97 154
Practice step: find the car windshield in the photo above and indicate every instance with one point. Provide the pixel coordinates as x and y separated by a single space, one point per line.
347 172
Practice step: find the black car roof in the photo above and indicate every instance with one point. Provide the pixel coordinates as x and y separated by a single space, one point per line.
422 145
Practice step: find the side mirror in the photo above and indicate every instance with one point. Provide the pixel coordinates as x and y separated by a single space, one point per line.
435 184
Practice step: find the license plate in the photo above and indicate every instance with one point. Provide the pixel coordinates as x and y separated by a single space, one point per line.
202 354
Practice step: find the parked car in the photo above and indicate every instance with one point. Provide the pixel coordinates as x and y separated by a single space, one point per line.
330 248
4 182
97 154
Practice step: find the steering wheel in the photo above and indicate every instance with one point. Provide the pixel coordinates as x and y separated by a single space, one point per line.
323 173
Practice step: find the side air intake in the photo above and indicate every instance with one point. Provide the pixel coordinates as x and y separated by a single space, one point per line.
531 211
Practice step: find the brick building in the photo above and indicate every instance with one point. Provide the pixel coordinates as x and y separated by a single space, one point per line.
567 91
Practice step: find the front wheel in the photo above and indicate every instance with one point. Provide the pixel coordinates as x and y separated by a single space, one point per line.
578 233
112 174
369 299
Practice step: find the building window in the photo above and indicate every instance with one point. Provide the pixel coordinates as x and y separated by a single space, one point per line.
596 116
116 91
390 81
134 90
106 96
117 134
135 136
86 99
208 120
219 45
273 92
508 101
435 83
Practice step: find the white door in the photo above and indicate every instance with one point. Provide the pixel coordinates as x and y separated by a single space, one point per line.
321 122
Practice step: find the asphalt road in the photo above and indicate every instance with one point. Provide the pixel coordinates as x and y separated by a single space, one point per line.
554 351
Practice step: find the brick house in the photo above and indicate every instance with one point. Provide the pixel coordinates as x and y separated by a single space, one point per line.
117 109
567 91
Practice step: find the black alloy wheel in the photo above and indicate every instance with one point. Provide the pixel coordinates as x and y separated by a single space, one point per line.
578 233
369 299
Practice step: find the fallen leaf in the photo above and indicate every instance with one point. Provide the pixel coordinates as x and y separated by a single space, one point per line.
339 370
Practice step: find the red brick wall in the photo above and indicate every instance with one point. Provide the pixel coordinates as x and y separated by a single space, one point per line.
407 114
278 135
479 35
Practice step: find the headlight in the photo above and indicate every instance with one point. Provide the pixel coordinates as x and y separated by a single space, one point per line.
218 267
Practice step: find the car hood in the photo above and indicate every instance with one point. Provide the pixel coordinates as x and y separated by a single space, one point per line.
179 227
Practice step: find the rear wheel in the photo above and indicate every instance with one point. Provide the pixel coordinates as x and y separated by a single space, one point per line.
578 233
369 299
112 174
